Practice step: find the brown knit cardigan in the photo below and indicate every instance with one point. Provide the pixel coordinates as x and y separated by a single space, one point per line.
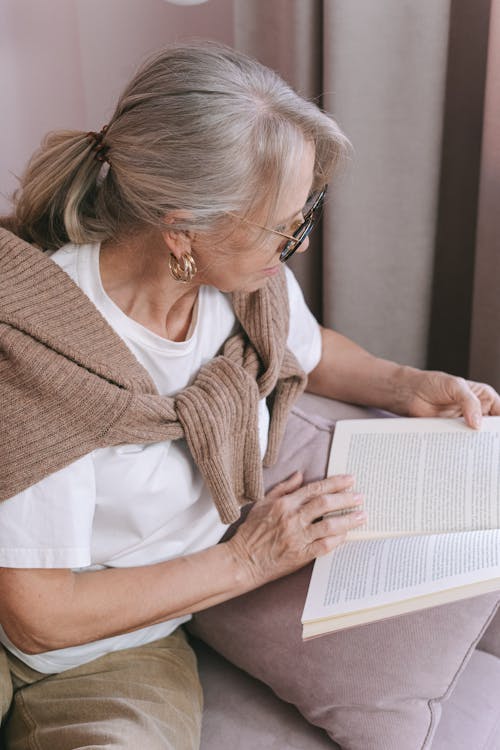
68 384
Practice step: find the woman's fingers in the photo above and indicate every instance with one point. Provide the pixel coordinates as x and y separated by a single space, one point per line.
294 524
288 485
327 544
337 525
489 398
329 503
468 402
330 509
328 486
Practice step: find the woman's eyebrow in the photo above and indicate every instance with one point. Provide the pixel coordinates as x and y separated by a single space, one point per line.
286 221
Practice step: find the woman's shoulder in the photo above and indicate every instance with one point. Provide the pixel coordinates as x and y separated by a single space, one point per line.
67 257
215 298
216 317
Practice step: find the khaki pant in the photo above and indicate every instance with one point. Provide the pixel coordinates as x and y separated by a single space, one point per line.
144 698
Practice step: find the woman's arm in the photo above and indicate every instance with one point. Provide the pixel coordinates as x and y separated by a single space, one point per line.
349 373
45 609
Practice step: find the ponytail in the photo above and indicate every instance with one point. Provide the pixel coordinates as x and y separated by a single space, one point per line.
57 189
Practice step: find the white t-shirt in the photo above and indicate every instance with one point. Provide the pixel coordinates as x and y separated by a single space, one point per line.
131 505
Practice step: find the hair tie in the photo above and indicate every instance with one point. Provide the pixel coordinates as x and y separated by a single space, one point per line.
100 150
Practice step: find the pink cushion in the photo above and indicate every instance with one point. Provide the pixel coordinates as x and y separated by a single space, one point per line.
490 642
242 713
368 687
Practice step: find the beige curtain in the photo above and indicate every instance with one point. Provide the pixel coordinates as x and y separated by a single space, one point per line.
409 261
399 264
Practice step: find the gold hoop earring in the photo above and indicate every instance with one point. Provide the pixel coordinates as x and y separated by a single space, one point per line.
183 269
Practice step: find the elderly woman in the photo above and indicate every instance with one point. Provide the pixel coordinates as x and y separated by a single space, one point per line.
137 353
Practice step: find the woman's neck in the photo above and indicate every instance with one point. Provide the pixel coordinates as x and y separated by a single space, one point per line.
135 275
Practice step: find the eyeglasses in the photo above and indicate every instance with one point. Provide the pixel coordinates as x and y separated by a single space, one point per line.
312 212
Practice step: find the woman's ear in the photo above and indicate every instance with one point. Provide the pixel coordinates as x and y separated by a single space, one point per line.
177 241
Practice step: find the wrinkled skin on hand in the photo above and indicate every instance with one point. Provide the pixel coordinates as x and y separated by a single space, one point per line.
437 394
291 526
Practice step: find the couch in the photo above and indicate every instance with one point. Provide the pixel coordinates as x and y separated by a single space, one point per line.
242 713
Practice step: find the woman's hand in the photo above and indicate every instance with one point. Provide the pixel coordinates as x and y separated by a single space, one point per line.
437 394
288 529
349 373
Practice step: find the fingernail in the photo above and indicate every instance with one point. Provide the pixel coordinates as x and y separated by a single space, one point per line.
360 516
358 498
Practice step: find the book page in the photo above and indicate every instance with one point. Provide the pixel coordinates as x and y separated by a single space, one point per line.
421 475
362 574
314 628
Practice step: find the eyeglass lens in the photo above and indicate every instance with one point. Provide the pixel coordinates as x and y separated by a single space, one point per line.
310 219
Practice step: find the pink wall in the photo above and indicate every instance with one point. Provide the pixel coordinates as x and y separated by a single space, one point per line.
63 62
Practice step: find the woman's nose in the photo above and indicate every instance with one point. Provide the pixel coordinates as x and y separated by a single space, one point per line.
303 246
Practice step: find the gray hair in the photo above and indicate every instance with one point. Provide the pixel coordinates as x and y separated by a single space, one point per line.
200 128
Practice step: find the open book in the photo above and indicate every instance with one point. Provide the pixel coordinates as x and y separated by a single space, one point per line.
432 494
